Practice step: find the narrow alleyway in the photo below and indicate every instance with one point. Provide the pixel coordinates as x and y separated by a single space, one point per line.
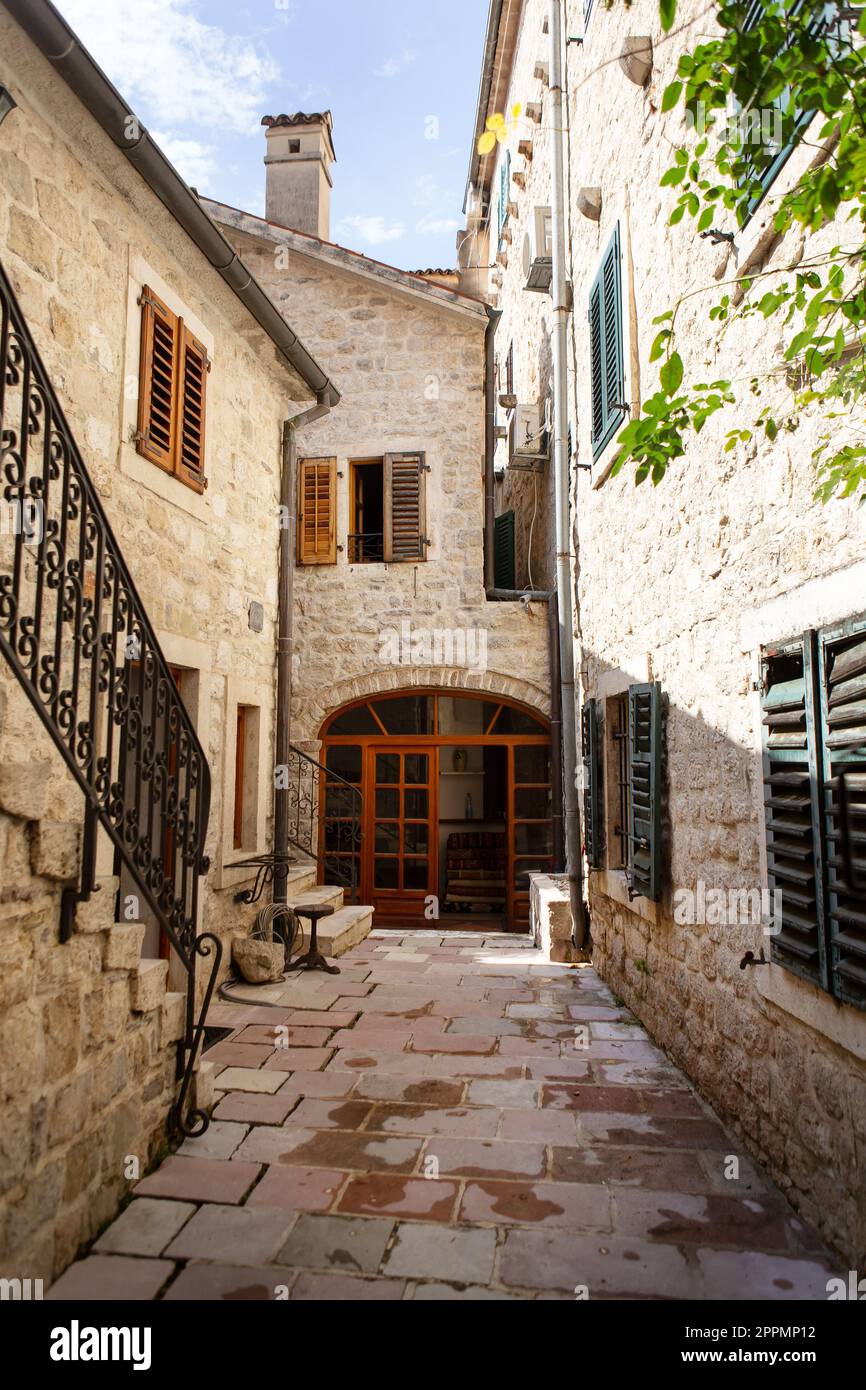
451 1117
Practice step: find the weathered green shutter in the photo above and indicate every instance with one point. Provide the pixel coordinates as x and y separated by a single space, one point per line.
764 161
791 771
592 784
842 674
504 570
645 790
504 188
606 348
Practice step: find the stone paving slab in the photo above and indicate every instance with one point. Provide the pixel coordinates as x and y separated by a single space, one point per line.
347 1244
200 1179
453 1118
145 1227
111 1279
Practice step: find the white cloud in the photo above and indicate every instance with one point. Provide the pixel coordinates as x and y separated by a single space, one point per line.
392 66
158 53
426 191
436 226
194 161
373 231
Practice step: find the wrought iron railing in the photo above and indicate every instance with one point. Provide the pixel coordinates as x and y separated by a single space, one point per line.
77 636
324 823
366 548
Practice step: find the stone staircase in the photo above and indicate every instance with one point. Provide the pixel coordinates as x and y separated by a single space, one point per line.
340 932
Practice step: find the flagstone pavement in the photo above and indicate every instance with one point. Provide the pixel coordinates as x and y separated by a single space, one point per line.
450 1117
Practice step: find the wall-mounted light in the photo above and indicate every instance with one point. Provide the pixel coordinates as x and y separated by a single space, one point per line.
7 103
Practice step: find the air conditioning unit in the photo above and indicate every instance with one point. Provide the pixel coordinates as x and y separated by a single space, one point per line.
538 252
528 439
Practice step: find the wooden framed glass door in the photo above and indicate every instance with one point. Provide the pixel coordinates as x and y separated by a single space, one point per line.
530 825
391 746
400 819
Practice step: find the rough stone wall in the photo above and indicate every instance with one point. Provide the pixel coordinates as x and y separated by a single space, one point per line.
86 1059
411 370
682 584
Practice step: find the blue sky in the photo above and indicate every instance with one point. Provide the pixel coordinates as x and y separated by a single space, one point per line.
202 73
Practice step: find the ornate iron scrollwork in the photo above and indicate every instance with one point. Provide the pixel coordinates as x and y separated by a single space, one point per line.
75 632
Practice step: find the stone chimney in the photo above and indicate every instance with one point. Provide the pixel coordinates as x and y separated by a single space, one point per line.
298 162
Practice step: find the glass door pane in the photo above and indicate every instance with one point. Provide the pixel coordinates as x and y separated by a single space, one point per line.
401 829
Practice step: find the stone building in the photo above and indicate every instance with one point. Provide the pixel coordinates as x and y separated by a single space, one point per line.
115 269
137 732
390 590
695 596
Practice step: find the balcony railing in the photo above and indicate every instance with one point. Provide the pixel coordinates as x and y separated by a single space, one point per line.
366 548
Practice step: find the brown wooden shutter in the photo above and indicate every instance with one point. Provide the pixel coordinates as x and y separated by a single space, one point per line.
192 393
317 518
158 376
405 508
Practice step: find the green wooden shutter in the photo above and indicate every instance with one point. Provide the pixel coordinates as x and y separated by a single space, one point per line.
842 673
645 790
607 375
765 162
504 569
791 771
504 188
592 785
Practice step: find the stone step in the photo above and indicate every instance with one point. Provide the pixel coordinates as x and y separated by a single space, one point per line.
302 876
148 986
327 894
97 913
342 931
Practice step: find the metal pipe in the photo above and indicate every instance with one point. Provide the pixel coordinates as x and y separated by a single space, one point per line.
285 631
564 555
54 38
493 317
555 735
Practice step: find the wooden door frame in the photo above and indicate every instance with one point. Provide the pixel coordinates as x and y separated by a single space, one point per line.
396 743
420 743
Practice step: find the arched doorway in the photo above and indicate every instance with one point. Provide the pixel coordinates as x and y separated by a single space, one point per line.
457 806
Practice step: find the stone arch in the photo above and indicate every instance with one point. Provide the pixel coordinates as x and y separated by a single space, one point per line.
307 720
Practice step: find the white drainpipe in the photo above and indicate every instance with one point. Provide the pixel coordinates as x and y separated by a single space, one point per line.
564 550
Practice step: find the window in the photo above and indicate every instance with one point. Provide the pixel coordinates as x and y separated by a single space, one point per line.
635 787
814 772
767 153
606 348
317 517
245 809
503 552
509 371
388 510
294 147
172 393
240 748
504 189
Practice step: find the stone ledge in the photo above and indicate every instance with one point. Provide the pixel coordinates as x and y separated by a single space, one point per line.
148 986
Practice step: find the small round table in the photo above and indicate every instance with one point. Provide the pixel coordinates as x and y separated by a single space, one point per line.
313 960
